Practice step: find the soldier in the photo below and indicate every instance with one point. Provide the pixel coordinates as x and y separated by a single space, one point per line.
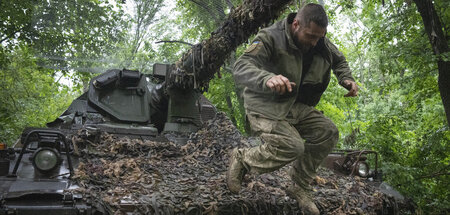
284 73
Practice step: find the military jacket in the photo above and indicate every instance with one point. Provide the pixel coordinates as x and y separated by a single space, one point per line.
272 53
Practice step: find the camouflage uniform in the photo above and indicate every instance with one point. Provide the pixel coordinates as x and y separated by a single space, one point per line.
289 125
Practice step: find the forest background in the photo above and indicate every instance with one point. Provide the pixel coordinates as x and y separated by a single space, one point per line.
50 49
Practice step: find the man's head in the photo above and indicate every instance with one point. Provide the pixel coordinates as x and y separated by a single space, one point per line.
309 25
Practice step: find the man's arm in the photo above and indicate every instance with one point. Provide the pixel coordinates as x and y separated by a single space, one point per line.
342 70
248 69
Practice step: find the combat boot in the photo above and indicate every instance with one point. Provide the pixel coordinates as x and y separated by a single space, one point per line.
235 172
304 199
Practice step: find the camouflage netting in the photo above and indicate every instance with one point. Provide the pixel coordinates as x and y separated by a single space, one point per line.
166 178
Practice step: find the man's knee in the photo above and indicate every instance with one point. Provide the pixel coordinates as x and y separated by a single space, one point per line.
332 134
296 146
286 146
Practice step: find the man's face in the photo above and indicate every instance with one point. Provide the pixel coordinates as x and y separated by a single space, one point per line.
306 37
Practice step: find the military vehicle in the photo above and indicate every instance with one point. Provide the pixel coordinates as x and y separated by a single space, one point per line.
35 174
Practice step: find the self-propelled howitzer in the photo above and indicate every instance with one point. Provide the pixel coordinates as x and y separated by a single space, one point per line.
36 173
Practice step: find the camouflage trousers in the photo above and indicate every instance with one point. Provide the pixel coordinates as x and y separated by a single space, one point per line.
305 138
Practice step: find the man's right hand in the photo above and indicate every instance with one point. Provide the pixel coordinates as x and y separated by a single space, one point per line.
280 84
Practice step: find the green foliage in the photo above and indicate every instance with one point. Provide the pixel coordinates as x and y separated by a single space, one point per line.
136 50
223 95
16 19
43 42
201 17
29 94
399 111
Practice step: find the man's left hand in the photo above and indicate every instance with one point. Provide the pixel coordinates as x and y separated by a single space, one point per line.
352 88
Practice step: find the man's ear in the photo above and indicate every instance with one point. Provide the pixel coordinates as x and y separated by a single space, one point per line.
295 23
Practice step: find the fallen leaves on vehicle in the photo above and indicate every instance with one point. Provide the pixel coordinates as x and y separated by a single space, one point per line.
162 177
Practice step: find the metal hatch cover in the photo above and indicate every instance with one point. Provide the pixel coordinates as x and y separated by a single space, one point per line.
126 103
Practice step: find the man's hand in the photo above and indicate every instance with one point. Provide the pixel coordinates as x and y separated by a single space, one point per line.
351 87
280 84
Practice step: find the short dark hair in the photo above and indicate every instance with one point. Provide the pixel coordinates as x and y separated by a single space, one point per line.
312 13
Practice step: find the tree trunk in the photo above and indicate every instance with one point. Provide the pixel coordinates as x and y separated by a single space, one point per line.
439 44
198 66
